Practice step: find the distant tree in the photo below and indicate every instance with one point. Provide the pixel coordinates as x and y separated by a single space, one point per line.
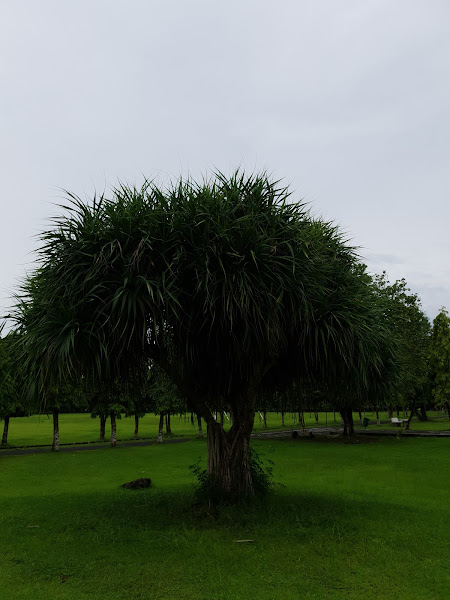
137 398
355 390
440 360
410 328
67 396
7 391
164 398
11 398
99 408
109 401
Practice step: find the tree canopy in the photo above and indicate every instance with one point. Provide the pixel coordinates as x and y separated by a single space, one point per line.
229 287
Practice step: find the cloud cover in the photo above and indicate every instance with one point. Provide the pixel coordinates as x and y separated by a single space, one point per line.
347 101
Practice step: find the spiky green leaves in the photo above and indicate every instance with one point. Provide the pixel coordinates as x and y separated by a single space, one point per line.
225 276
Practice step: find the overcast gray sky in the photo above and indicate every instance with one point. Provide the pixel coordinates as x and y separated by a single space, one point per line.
347 100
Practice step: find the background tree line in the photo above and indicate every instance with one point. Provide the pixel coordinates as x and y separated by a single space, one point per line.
422 381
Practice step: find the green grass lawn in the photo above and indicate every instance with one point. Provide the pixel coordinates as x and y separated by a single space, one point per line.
356 521
80 427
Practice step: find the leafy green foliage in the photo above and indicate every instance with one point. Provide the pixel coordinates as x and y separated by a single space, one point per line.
224 280
11 398
410 328
440 359
163 395
6 381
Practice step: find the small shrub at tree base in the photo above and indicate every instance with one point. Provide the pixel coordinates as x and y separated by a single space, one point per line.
210 491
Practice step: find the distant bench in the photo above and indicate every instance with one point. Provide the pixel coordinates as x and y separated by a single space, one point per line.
398 422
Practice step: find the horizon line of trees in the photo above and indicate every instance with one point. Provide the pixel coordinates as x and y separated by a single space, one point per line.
428 356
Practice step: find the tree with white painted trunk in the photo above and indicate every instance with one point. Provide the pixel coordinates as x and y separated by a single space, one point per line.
55 399
109 401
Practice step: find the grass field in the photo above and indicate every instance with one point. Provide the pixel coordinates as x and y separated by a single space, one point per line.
81 427
355 521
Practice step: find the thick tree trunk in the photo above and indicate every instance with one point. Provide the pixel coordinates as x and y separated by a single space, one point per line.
360 417
113 430
199 423
229 460
316 416
136 425
347 419
390 411
5 432
168 427
282 418
102 427
160 428
55 445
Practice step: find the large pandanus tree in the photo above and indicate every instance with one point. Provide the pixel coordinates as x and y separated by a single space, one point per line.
226 285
